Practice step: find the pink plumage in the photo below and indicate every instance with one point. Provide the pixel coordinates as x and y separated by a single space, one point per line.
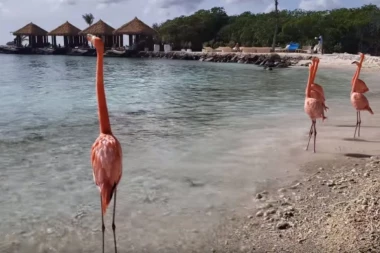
358 100
314 108
361 86
106 159
316 90
314 102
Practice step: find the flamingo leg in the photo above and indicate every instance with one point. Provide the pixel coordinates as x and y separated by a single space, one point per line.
113 222
357 122
315 133
310 134
103 227
360 122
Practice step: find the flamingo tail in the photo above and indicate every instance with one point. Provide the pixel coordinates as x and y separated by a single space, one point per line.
369 109
106 192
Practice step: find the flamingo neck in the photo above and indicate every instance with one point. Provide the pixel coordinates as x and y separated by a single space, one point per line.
104 121
356 75
314 72
308 87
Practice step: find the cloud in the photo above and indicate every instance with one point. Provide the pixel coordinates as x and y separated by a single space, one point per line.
164 8
259 5
3 9
250 1
187 5
320 5
100 4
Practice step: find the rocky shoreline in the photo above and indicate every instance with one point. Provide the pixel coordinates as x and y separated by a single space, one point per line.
268 61
272 60
334 208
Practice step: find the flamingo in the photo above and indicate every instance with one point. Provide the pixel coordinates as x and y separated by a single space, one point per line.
106 153
361 87
317 91
358 100
313 107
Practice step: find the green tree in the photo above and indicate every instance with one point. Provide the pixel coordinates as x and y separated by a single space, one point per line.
88 18
345 30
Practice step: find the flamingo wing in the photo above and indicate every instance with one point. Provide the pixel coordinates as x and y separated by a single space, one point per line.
106 158
361 86
317 92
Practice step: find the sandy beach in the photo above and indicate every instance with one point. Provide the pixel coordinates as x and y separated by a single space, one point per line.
333 206
340 60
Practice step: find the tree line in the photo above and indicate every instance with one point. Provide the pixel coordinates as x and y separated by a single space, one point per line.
343 30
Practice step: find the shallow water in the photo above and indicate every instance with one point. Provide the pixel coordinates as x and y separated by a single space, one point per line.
197 138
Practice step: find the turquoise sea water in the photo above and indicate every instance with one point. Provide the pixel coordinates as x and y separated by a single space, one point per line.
196 137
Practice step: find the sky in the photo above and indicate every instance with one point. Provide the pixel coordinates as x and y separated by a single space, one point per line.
49 14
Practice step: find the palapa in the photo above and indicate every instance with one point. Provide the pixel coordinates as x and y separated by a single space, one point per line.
100 28
66 29
30 30
136 27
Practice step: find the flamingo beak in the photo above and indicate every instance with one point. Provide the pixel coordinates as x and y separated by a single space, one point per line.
354 62
91 38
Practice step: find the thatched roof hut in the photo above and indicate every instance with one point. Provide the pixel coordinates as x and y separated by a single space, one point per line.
136 27
103 30
100 28
70 33
37 35
30 30
137 32
66 29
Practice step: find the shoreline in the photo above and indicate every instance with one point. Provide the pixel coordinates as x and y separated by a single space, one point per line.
274 60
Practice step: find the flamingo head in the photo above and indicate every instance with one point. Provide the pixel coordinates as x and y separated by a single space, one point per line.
96 41
355 62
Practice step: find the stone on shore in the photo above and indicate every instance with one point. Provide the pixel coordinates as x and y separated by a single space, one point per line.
271 60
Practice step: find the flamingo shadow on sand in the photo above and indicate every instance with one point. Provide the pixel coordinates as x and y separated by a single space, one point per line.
359 140
355 126
357 155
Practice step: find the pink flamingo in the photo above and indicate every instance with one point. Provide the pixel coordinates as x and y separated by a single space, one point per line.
106 153
358 100
317 91
313 107
361 86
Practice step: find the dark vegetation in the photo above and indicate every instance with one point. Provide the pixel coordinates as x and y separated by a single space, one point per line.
343 30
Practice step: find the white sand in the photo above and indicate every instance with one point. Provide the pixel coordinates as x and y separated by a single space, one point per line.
340 60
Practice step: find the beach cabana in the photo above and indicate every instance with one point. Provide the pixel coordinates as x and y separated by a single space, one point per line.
70 33
102 30
37 36
137 32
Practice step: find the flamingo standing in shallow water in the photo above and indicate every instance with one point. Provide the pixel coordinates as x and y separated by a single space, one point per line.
361 87
106 153
358 100
313 107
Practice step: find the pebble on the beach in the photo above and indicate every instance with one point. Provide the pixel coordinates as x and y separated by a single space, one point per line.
259 213
283 225
259 196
